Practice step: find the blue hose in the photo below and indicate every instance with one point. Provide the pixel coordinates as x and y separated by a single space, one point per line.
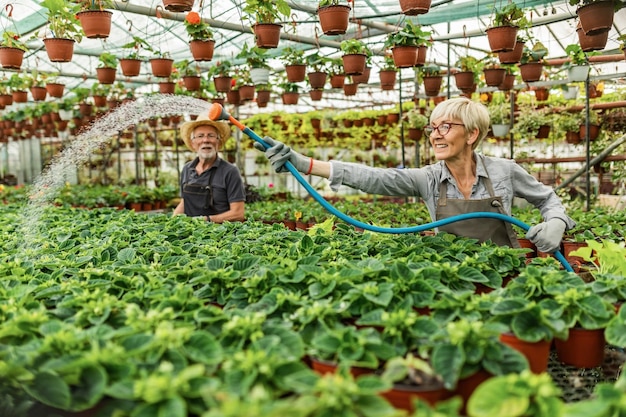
412 229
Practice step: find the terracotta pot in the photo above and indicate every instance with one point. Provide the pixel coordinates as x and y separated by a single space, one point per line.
192 82
569 247
38 93
295 73
415 7
202 50
542 93
222 84
334 19
387 79
415 134
464 79
317 79
130 67
337 80
513 56
95 23
99 101
537 353
531 71
263 96
403 396
20 96
59 49
596 17
167 87
543 132
494 76
11 58
350 89
106 75
432 85
6 100
290 98
590 43
233 97
323 367
246 92
404 56
267 34
508 82
178 5
594 132
55 89
363 78
316 94
466 386
162 67
582 349
572 138
502 38
354 63
527 244
393 118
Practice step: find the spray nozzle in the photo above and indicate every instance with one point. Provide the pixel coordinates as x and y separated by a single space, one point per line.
217 112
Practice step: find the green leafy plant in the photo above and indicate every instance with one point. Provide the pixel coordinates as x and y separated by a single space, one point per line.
534 54
416 119
135 47
12 40
107 60
410 35
95 4
197 29
62 19
255 57
266 11
293 56
576 55
509 15
325 3
220 69
354 46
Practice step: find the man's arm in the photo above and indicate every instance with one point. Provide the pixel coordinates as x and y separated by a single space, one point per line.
236 213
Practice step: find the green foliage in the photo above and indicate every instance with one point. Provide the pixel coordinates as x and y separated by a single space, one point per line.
292 56
62 19
576 54
410 35
510 15
255 57
136 46
12 40
354 46
266 11
107 60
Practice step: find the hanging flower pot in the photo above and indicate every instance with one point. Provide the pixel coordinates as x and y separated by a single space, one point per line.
583 348
11 58
295 73
500 130
350 89
415 7
223 84
317 79
508 82
541 93
595 42
162 67
464 80
99 101
337 80
260 76
246 92
267 34
233 97
543 132
387 79
263 96
577 73
95 23
55 89
192 82
59 49
38 93
316 94
202 50
404 56
130 66
594 131
513 56
596 17
106 75
494 76
502 38
178 5
354 63
334 19
432 85
20 96
167 87
362 78
531 71
290 98
6 100
415 134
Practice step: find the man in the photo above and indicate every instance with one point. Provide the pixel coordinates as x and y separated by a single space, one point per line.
210 187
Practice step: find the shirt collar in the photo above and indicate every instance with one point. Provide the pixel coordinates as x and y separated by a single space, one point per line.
480 169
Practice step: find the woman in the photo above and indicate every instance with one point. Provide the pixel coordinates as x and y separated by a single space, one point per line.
463 181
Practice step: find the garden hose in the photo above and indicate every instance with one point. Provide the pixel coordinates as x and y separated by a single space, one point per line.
217 112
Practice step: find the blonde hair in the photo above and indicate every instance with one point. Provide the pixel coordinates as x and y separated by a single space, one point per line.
474 115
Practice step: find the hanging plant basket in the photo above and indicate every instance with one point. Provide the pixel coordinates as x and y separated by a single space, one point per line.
500 130
594 132
167 87
354 64
99 101
20 96
95 23
494 76
55 89
432 85
178 5
267 34
260 75
590 43
415 7
531 72
543 132
59 49
387 79
233 97
106 75
246 92
11 58
290 98
263 96
577 73
513 56
334 19
415 134
541 93
38 93
362 78
295 73
316 94
162 67
350 89
317 79
596 17
404 56
464 80
223 84
337 80
130 66
508 82
502 38
192 82
202 50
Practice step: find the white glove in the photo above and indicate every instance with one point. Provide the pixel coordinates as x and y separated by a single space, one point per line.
278 153
547 235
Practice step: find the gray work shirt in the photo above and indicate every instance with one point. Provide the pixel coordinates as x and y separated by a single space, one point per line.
508 178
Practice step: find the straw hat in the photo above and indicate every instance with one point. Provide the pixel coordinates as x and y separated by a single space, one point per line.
186 129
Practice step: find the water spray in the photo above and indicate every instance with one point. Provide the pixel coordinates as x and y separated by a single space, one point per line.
217 112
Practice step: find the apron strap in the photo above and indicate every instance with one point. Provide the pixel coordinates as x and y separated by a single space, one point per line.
208 204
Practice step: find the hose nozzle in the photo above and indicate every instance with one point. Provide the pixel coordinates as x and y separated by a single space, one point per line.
218 112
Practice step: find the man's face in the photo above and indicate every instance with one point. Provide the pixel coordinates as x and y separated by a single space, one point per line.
205 142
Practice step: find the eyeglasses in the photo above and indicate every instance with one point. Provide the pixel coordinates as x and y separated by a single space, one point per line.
203 136
442 129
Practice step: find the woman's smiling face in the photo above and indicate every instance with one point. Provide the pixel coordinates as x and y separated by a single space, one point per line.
448 138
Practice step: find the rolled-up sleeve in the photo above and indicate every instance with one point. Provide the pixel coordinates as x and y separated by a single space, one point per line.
383 181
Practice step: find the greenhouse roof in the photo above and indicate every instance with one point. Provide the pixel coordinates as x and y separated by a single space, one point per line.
457 27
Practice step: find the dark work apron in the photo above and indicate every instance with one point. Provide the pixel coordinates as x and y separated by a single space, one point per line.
199 198
497 231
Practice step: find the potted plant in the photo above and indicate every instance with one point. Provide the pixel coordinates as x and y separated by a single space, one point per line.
131 63
12 50
530 65
408 45
336 72
201 44
290 92
221 74
318 69
468 76
264 14
431 77
333 16
256 60
492 71
507 20
578 63
107 68
388 73
416 123
354 58
65 30
500 117
18 85
161 64
529 121
295 64
189 74
596 16
95 21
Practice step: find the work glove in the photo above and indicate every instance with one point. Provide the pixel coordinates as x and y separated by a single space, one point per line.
547 236
278 153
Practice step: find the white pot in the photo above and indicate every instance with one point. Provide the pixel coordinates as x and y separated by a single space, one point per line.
66 114
260 75
577 73
500 131
571 93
